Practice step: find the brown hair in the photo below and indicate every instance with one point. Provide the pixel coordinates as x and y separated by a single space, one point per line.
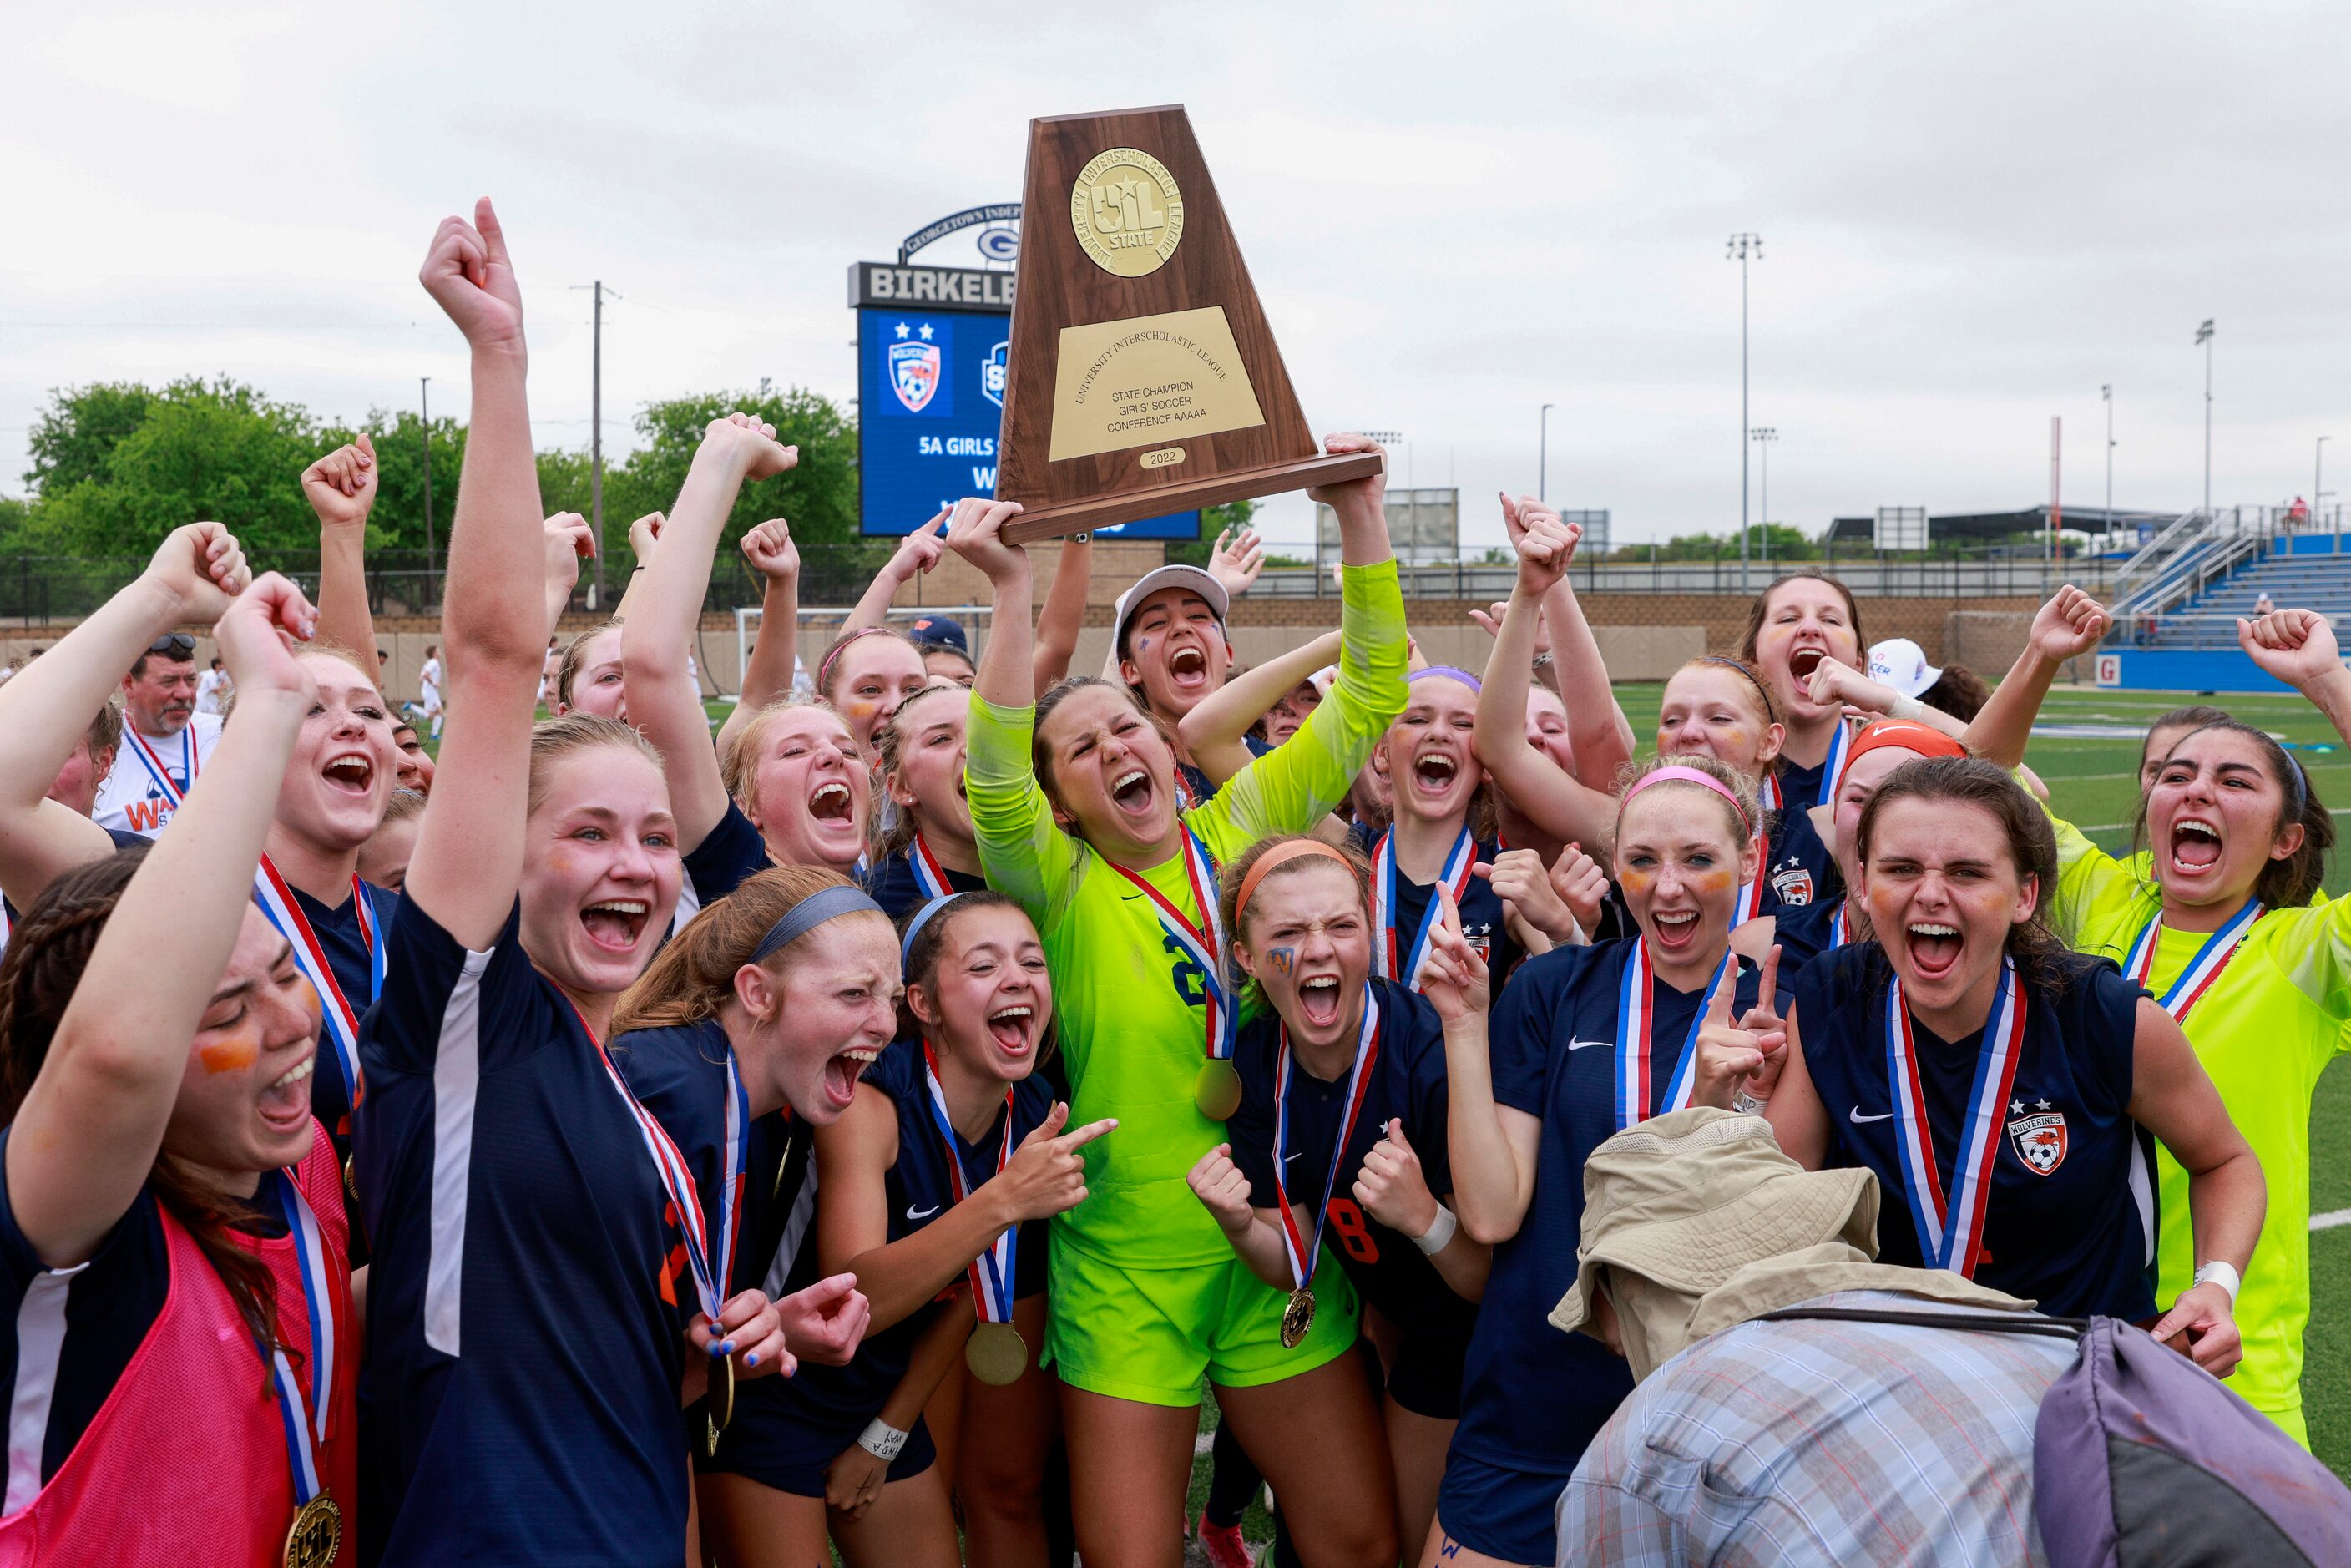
694 972
575 654
1741 788
105 734
47 955
889 754
1041 755
552 740
2285 883
2195 716
827 664
2041 957
930 945
1961 693
1762 607
402 805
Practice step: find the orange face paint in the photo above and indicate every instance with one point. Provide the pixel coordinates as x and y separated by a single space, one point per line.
1638 881
1711 881
228 1055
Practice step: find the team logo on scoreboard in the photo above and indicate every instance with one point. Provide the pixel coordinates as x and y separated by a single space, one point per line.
915 371
2040 1140
992 372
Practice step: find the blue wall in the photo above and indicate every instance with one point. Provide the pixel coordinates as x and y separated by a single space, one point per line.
2311 544
2183 670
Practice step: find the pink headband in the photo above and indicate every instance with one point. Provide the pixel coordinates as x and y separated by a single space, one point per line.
825 668
1678 774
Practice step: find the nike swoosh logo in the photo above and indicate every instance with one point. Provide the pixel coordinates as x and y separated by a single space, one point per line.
925 1213
1858 1118
1590 1044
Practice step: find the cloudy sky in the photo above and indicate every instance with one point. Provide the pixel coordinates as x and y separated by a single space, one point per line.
1973 214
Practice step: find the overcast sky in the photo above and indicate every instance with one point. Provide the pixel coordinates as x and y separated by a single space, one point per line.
1973 214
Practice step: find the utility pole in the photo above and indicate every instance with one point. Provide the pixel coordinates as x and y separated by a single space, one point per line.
2106 395
1764 435
2318 479
1742 245
424 399
1543 461
595 443
2204 335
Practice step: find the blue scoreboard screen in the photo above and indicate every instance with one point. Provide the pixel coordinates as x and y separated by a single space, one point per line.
930 399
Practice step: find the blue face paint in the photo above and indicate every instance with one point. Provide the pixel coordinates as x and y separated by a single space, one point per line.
1284 959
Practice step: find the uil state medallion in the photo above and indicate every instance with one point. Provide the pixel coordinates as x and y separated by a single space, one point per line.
1127 211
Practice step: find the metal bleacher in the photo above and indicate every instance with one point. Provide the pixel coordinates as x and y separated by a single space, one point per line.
2187 587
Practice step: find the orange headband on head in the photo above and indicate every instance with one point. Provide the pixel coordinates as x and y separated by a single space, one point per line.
1277 856
1903 734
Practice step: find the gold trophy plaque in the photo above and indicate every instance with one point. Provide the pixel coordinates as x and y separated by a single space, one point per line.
1143 378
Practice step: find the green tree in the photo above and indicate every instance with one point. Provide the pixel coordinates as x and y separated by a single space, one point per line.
1233 517
74 437
398 520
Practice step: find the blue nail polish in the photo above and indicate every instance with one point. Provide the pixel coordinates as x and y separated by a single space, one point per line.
726 1349
752 1359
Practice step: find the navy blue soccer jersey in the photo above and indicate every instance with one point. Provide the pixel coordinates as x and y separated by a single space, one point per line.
790 1423
341 939
526 1315
2071 1220
1805 931
889 882
1800 787
728 856
1799 868
1481 909
1408 1083
1532 1397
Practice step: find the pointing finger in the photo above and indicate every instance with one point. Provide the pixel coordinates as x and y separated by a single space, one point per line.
1088 1133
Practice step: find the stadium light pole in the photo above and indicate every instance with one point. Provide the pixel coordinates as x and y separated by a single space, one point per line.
424 402
1742 245
1762 435
2106 395
1543 457
2318 478
2204 337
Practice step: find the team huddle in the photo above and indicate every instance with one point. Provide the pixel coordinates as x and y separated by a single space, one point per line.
870 1129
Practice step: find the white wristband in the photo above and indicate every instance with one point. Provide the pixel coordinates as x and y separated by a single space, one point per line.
1907 707
881 1439
2223 1274
1440 1232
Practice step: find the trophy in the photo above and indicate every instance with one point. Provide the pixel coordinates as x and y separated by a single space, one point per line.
1143 378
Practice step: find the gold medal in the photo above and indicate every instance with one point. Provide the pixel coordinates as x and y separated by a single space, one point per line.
1218 1089
317 1535
995 1355
717 1412
1297 1318
351 1184
1127 211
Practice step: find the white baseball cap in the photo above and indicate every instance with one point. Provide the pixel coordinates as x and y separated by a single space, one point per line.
1901 664
1192 579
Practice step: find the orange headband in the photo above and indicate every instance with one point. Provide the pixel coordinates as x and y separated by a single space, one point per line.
1277 856
1903 734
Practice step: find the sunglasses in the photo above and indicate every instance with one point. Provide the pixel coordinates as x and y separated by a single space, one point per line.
178 644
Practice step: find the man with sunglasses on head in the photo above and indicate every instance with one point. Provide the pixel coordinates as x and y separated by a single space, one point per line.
165 741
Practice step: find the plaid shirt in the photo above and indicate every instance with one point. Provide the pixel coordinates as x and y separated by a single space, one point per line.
1814 1442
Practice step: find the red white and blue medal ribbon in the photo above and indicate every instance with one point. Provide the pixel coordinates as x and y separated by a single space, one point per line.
2202 970
1634 1010
1840 930
1750 893
1389 960
152 761
929 875
991 1273
1204 947
1832 769
305 1427
1302 1249
1950 1229
1767 791
677 1178
277 902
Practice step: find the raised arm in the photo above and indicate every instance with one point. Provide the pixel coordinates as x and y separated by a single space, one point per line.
1596 728
1064 614
469 851
1214 729
645 538
341 487
1832 680
2067 626
46 706
1555 803
668 606
570 538
768 674
2298 648
82 1144
2172 1098
1493 1148
916 554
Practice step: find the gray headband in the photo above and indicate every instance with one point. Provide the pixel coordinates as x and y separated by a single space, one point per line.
825 903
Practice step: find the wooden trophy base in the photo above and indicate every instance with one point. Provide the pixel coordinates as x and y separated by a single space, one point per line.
1103 511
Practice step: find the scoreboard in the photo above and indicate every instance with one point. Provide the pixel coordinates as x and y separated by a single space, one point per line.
932 342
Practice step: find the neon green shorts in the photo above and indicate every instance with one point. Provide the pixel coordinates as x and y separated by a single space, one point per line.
1150 1334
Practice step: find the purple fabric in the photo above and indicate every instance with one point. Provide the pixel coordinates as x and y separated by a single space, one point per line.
2140 1457
1450 671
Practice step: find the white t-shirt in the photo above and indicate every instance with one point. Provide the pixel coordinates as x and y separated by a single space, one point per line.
429 679
130 797
209 687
